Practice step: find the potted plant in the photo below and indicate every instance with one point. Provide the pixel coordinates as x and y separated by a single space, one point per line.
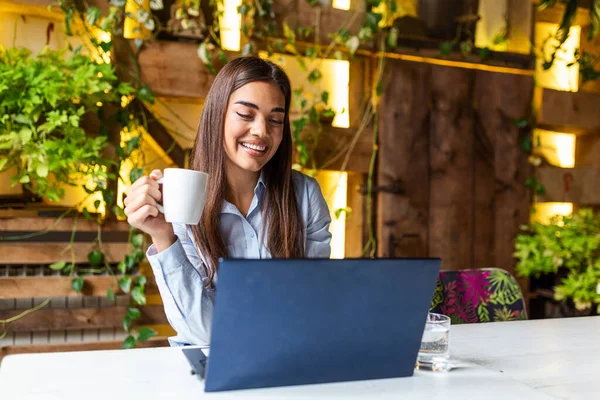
567 251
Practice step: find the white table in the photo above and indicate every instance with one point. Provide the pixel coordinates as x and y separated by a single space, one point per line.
545 359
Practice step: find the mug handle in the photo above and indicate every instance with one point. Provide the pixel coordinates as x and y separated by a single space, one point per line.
160 206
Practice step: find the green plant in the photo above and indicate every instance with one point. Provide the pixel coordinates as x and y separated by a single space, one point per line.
568 245
43 101
567 19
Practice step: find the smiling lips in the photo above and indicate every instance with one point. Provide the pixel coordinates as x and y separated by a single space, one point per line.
254 148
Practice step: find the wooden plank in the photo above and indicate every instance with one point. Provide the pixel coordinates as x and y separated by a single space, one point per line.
161 67
487 121
163 138
358 89
513 200
68 347
593 48
403 160
451 167
570 185
33 8
334 143
560 111
48 253
40 224
355 222
54 286
49 319
587 149
520 19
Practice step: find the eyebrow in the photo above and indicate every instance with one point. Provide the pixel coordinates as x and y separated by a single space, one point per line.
254 106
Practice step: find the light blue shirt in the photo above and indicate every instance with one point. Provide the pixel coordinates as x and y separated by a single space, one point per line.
188 303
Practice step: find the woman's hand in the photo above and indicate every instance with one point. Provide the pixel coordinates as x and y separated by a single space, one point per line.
141 208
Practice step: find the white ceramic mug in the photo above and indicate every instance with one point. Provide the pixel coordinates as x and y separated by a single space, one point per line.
183 195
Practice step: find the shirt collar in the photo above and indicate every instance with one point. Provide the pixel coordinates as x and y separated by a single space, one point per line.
259 191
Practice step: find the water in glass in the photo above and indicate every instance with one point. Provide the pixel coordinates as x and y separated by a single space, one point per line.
434 354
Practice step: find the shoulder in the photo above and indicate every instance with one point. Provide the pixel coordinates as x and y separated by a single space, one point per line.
305 185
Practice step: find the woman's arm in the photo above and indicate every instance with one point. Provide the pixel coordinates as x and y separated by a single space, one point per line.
187 302
317 220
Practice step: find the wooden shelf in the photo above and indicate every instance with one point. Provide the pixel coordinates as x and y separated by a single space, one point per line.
570 112
571 185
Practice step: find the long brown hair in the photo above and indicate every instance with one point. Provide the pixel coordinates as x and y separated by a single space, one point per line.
281 216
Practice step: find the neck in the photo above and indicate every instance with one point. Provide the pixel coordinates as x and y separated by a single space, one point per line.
240 187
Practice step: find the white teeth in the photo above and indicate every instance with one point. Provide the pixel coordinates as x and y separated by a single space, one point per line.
254 147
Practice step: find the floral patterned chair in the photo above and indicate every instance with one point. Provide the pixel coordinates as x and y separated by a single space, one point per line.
478 295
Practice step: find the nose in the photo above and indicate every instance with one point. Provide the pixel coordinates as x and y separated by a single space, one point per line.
259 127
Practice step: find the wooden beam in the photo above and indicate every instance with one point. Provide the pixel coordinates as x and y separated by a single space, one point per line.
355 221
521 24
451 166
58 286
333 146
565 111
48 253
80 318
163 138
82 346
571 185
171 69
41 224
403 160
33 8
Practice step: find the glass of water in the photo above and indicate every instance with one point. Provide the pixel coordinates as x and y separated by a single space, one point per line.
434 354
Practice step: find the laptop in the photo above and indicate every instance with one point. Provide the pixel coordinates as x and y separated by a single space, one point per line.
283 322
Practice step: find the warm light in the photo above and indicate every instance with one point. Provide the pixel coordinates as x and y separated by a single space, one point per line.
557 148
334 186
543 212
132 28
560 76
229 24
335 80
341 4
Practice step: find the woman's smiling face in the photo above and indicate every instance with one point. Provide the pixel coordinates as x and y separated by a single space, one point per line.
254 121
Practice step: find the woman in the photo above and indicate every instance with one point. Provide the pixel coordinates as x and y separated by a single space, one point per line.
256 206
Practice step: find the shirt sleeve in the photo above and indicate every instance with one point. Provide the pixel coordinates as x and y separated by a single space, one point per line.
318 237
180 279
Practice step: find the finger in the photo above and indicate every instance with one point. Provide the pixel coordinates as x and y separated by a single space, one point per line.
156 174
150 190
139 217
144 180
138 201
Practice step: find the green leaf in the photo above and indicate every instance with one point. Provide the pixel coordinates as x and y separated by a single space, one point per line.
118 211
110 294
135 174
137 240
126 323
125 283
77 284
531 182
129 343
132 144
122 267
138 295
446 48
325 97
540 189
314 76
392 38
134 313
466 47
247 49
140 281
146 94
521 122
106 46
87 215
58 265
484 54
97 204
109 197
146 333
95 257
526 144
92 14
352 44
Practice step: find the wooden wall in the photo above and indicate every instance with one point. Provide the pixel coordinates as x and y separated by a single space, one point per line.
449 145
